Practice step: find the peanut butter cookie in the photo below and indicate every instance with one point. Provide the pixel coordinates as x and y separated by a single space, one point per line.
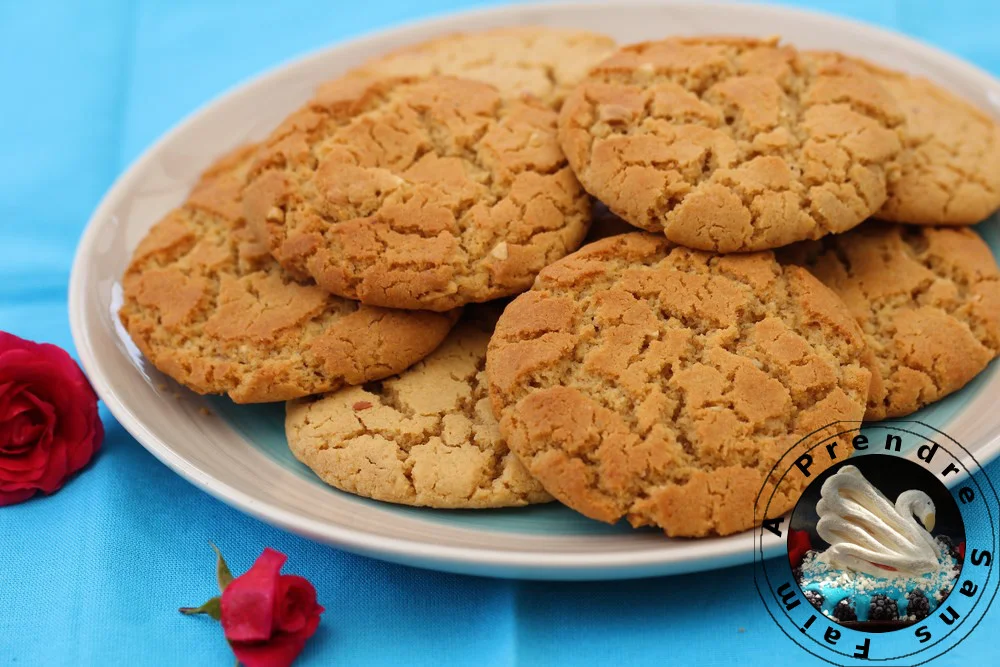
646 380
927 299
731 144
532 60
208 306
950 164
424 437
416 193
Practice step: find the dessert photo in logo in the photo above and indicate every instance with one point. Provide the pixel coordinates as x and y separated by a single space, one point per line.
876 543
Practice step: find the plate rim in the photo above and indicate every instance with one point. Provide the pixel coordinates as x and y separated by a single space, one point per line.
462 559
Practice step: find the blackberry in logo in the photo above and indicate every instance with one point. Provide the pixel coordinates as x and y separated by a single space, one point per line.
883 608
918 606
844 611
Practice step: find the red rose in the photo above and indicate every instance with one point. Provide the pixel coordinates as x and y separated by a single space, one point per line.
798 546
49 426
268 616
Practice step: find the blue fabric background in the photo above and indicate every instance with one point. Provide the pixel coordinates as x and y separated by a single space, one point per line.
94 574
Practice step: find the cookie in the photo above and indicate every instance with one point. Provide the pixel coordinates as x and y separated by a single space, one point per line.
532 60
206 304
950 165
416 193
928 300
731 144
646 380
424 437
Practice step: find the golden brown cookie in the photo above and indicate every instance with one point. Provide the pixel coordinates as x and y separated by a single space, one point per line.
424 437
646 380
928 300
207 305
417 193
950 165
534 60
731 144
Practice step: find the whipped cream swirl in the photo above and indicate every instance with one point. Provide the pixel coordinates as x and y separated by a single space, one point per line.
869 534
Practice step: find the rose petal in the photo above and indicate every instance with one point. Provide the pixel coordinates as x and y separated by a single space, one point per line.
54 377
56 468
20 432
248 601
295 603
16 351
36 368
81 455
9 391
34 459
20 400
29 466
13 497
279 652
309 629
14 401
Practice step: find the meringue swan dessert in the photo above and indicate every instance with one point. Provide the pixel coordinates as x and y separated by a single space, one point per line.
883 562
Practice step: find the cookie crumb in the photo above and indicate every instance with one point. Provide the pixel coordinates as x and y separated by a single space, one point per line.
361 405
205 411
500 250
275 214
741 630
614 113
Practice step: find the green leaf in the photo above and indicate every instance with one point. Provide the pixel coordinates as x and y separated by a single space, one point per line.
222 572
211 608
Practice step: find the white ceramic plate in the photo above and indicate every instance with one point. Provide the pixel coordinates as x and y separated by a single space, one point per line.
238 453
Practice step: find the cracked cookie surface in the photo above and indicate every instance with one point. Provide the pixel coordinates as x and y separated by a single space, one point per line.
533 60
950 164
424 437
927 299
208 306
416 193
650 381
731 144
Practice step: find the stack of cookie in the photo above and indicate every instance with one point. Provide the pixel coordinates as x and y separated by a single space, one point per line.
358 262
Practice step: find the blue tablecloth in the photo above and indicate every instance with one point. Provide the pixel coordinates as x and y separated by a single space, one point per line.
95 573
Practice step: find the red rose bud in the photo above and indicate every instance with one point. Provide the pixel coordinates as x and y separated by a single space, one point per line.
49 425
249 600
798 546
266 616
